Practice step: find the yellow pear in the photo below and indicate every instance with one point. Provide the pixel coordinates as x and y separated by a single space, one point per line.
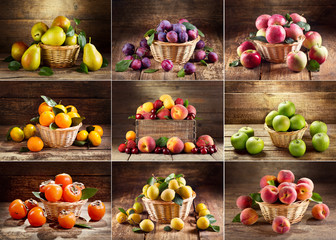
38 30
55 36
18 49
71 40
62 22
91 57
31 59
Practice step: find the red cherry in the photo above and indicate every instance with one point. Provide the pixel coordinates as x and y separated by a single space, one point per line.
158 150
152 116
128 150
211 150
165 151
138 116
215 148
135 151
153 111
122 147
204 151
190 117
194 150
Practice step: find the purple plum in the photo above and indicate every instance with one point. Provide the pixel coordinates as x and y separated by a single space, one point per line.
136 64
192 34
212 57
183 37
165 25
162 37
200 44
172 37
129 57
146 63
189 68
128 49
143 43
200 55
142 52
167 65
179 28
182 20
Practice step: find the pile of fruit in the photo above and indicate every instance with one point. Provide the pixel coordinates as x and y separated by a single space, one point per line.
284 29
62 189
280 190
244 139
285 120
170 189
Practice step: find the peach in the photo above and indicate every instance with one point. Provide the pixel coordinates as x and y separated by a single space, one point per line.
287 195
308 181
168 103
191 109
269 194
304 191
275 34
320 211
312 38
188 146
179 112
205 141
276 19
265 179
146 144
286 184
148 106
285 176
248 216
294 31
175 145
262 21
297 18
280 224
243 202
163 114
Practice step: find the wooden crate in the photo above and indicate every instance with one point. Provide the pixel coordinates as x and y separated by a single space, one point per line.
184 129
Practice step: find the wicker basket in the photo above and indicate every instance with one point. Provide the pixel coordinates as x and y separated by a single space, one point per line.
54 208
282 139
176 52
164 212
60 137
59 56
294 212
277 53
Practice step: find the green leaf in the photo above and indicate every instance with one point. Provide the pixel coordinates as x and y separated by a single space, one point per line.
235 63
83 68
81 39
35 120
57 110
49 101
136 230
53 126
123 65
70 32
288 17
122 210
150 39
140 196
179 175
157 111
252 34
186 103
289 40
189 26
214 228
105 63
76 121
151 181
88 193
24 149
170 177
167 228
8 136
166 117
204 63
198 118
149 32
46 71
287 24
79 143
160 179
316 198
89 128
271 182
259 38
39 195
181 73
131 117
211 218
14 65
208 49
77 21
131 212
163 186
161 142
151 70
200 33
313 66
82 225
9 59
178 199
236 218
256 197
304 25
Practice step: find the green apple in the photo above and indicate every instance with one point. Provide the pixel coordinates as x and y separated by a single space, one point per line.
320 142
248 130
297 122
297 148
286 108
281 123
270 116
238 140
318 127
254 145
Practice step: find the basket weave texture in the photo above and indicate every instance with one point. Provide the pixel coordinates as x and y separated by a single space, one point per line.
164 212
54 208
60 137
176 52
293 212
282 139
277 53
59 56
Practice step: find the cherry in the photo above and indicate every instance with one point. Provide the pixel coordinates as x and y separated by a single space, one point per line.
211 150
204 151
165 151
192 114
158 150
190 117
215 148
152 116
153 111
138 116
135 151
128 150
122 147
194 150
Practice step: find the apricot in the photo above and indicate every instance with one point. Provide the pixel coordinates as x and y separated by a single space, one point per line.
164 97
168 195
144 189
148 106
177 224
203 223
265 179
248 216
200 207
269 194
138 207
185 192
153 192
168 103
285 176
303 191
320 211
173 184
203 212
121 217
281 224
188 146
243 202
134 219
146 225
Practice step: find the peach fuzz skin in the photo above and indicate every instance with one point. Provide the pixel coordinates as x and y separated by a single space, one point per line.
146 144
286 184
265 179
285 176
308 181
281 224
243 202
248 216
179 112
175 145
320 211
287 195
303 191
269 194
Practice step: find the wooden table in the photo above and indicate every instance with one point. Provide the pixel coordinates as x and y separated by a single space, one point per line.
308 228
272 153
59 74
12 229
118 156
10 150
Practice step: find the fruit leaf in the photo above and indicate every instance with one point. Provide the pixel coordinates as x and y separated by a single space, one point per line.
259 38
131 212
9 59
83 68
271 182
304 25
77 21
316 198
200 33
57 110
161 142
289 40
151 181
70 32
89 128
208 49
39 195
189 26
151 70
198 118
14 65
160 179
288 17
24 149
82 225
287 24
157 111
211 218
236 218
167 228
166 117
105 63
163 186
131 117
150 39
313 66
8 136
252 34
122 210
35 120
46 71
181 73
137 230
123 65
81 39
204 63
76 121
256 197
179 175
235 63
88 193
214 228
178 199
186 103
79 143
49 101
170 177
140 196
53 126
149 32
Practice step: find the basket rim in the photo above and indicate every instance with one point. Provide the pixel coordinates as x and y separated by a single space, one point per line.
189 43
300 41
272 131
282 205
59 129
81 202
45 46
160 202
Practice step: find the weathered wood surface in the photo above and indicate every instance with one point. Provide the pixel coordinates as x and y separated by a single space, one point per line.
14 229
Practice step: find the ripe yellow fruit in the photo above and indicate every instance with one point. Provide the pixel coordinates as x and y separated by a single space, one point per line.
148 106
47 118
62 108
17 134
98 129
147 225
29 131
138 207
185 192
44 107
144 189
168 195
168 103
73 114
94 138
203 223
72 108
131 135
203 212
200 207
177 224
188 146
63 120
165 96
134 219
157 184
181 181
128 211
82 135
153 192
173 184
35 144
121 217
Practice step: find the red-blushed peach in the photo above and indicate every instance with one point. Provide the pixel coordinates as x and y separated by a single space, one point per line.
287 195
275 34
245 46
178 112
188 146
318 53
294 31
265 179
280 224
320 211
308 181
285 176
248 216
191 109
175 145
296 61
286 184
269 194
262 21
303 191
276 19
312 38
205 141
297 18
243 202
146 144
163 114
